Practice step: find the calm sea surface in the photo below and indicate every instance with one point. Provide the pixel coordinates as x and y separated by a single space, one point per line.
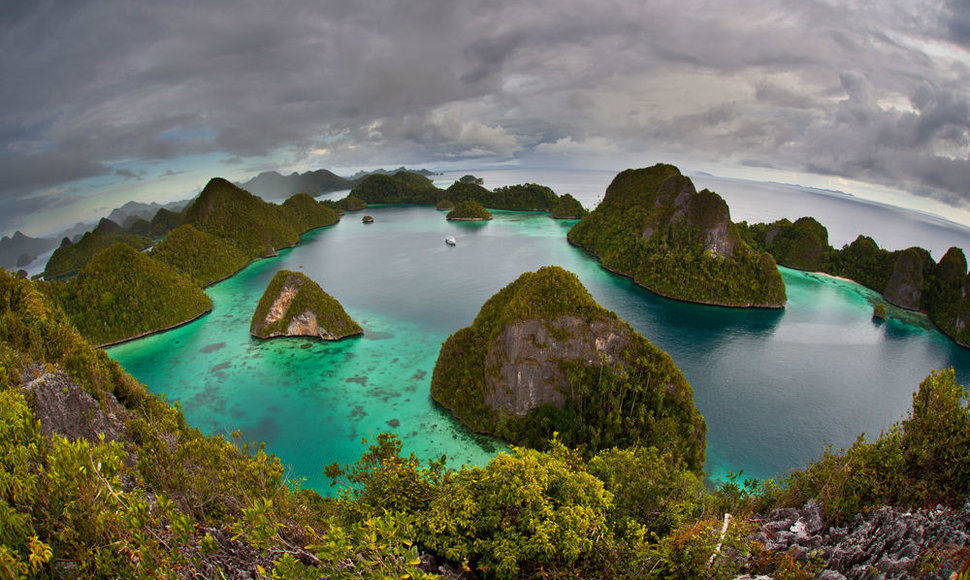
774 386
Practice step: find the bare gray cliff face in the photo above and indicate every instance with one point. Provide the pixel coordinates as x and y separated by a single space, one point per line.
905 287
64 409
679 203
523 371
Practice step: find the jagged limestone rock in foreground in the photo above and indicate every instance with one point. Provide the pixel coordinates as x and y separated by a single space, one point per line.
543 356
295 305
678 242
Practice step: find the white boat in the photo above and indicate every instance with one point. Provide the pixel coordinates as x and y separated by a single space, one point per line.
450 240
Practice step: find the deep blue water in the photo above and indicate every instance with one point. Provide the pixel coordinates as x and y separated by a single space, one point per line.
774 386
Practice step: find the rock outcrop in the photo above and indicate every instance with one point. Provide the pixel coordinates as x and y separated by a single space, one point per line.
887 543
543 356
294 305
905 287
64 409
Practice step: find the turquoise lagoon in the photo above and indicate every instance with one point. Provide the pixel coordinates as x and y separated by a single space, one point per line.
774 386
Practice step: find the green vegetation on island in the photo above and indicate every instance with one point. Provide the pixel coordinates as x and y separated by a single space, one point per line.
402 187
251 224
70 257
201 257
523 197
654 227
295 305
444 205
469 211
304 213
568 207
351 203
542 357
122 293
908 278
155 498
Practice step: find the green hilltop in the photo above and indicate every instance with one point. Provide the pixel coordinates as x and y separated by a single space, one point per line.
653 226
542 357
122 293
469 211
70 257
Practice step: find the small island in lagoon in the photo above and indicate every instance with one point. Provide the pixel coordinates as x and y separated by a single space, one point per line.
295 305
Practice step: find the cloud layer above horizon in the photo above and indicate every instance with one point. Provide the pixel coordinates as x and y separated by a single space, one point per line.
878 92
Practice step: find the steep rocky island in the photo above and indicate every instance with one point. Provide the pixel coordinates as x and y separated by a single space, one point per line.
543 356
908 279
295 305
655 227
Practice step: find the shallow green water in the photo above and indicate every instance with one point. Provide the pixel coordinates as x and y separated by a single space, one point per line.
774 386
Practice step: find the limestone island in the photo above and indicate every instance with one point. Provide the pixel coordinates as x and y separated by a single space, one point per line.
295 305
469 211
543 356
654 227
367 219
568 207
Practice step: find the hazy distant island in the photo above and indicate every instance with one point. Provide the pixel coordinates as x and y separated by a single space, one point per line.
908 279
295 305
542 357
654 227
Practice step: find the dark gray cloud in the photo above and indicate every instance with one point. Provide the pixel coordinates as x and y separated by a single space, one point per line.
92 88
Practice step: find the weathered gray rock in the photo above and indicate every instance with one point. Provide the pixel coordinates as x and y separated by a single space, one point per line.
523 369
887 543
64 409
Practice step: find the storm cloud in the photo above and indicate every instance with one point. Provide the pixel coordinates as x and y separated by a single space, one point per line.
876 92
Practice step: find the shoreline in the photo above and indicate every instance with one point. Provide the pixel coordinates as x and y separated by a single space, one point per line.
157 331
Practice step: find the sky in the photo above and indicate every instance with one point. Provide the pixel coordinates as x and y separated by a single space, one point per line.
106 101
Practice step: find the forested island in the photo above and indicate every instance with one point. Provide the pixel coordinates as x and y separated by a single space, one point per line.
295 305
656 228
469 211
542 357
908 279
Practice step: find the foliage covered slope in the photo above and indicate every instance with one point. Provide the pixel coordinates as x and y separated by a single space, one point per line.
632 395
653 226
469 211
251 224
201 257
568 207
122 293
288 304
70 257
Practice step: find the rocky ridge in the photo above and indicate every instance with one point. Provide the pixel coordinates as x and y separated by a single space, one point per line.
885 544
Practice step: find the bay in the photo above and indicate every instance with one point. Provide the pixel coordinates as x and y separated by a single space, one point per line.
774 386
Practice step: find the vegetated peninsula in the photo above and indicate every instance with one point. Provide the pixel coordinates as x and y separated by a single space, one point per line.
678 242
469 211
909 278
295 305
542 356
